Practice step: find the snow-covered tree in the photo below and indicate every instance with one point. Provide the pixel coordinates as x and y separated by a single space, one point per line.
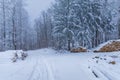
14 25
63 30
82 21
43 27
4 15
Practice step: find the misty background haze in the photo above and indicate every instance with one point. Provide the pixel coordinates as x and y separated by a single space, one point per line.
35 7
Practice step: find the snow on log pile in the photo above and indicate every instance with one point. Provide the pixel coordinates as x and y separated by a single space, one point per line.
79 49
110 46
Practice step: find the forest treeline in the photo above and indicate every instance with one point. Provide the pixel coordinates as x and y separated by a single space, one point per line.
66 24
73 23
15 31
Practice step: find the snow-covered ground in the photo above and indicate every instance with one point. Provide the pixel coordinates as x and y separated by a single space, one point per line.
48 64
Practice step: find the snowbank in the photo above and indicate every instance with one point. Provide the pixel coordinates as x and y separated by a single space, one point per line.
8 56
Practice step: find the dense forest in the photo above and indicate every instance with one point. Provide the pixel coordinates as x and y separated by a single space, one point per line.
66 24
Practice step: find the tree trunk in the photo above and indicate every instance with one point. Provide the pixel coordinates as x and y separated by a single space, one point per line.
69 48
14 30
4 26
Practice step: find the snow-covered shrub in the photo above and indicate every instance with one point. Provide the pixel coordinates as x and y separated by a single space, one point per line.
23 55
19 54
14 59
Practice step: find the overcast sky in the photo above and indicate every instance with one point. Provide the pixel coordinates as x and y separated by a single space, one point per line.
34 7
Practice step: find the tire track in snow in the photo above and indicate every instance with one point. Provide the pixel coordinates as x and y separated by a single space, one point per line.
103 71
41 70
49 69
100 75
45 70
19 70
108 74
33 70
96 71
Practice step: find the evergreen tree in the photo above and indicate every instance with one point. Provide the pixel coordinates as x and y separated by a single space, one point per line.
63 29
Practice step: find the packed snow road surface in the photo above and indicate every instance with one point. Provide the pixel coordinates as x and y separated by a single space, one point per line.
47 64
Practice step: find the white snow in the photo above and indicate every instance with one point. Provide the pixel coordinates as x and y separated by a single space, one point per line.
48 64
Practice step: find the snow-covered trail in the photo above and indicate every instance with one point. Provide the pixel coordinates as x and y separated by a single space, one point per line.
45 64
61 67
66 67
19 70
